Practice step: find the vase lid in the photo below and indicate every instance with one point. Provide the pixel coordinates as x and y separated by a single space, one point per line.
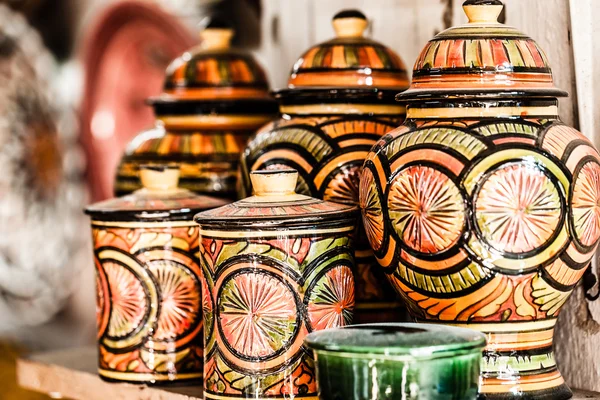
276 205
214 72
415 341
482 59
160 199
349 61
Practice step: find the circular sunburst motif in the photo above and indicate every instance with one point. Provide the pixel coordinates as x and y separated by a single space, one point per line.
426 209
370 205
257 314
518 208
586 204
343 186
331 300
128 299
179 299
102 303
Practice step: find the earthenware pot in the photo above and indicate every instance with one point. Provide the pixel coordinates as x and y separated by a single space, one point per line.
483 207
397 361
278 266
148 281
339 102
214 98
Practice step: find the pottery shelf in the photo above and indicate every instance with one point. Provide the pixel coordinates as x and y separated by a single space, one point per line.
71 374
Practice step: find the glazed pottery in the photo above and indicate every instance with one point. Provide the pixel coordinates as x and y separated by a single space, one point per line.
483 207
397 361
214 98
339 102
148 281
278 266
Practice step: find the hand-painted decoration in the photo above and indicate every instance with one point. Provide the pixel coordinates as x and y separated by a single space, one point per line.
214 98
484 208
149 297
277 266
339 102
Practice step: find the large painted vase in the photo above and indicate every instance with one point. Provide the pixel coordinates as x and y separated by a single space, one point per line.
215 97
278 266
148 281
484 208
339 102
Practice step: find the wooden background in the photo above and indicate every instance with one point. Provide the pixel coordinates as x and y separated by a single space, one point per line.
565 29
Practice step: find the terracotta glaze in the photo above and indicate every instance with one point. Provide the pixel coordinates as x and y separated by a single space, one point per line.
339 102
214 98
277 266
483 208
149 298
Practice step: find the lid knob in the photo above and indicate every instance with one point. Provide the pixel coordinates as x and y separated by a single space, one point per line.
159 177
274 182
217 35
350 23
483 11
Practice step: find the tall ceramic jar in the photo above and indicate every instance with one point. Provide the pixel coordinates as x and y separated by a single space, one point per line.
278 266
483 208
214 99
149 306
339 102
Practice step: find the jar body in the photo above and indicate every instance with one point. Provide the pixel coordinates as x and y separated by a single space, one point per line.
149 302
487 218
265 294
208 156
366 377
328 150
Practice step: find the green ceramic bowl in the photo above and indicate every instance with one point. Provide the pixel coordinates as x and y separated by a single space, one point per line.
397 361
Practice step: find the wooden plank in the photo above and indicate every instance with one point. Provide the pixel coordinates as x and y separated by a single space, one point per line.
72 374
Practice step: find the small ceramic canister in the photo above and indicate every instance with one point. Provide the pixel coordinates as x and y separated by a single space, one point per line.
278 265
338 104
397 361
148 281
214 98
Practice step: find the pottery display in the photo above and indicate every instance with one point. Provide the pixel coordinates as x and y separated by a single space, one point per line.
397 361
119 76
214 98
149 306
339 102
483 207
278 266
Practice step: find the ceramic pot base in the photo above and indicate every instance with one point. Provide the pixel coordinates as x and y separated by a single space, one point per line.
561 392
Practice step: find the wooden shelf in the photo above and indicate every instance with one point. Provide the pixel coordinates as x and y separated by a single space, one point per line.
71 374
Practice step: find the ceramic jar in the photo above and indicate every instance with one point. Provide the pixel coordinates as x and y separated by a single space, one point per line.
483 207
397 361
148 303
278 266
339 102
214 98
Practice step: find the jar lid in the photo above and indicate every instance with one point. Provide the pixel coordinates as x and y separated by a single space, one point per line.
483 58
416 341
159 200
214 72
276 205
349 60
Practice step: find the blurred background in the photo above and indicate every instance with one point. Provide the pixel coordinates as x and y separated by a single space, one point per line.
74 76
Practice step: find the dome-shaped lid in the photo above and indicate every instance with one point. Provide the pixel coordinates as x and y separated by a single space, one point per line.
159 200
483 58
415 341
276 205
349 60
215 71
